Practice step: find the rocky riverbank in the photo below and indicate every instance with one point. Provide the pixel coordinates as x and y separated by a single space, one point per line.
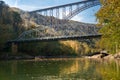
99 55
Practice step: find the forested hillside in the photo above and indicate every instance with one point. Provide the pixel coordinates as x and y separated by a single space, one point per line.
10 24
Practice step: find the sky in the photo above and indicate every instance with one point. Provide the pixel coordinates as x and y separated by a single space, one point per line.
87 16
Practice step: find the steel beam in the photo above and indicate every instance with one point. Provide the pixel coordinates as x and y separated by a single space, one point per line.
61 6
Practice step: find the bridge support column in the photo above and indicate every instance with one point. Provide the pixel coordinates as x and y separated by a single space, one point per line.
14 48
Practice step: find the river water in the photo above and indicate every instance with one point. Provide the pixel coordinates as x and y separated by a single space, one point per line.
60 69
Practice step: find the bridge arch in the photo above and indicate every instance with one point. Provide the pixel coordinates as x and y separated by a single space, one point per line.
82 8
56 11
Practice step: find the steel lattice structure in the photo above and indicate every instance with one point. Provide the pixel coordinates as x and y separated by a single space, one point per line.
67 11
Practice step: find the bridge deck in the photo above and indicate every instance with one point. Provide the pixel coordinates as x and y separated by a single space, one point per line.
55 38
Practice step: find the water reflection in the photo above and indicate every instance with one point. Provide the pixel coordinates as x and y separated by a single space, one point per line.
74 69
109 70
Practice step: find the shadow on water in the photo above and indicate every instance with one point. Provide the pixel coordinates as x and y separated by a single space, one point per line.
74 69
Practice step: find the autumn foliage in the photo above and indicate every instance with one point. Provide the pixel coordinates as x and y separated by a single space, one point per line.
109 19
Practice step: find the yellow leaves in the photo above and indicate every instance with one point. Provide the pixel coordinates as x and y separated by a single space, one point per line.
73 44
117 12
78 47
109 17
109 12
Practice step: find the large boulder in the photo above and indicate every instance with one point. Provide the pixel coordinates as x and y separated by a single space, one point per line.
109 57
100 55
96 56
117 56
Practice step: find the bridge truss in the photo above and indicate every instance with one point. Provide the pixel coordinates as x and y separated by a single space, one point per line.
67 11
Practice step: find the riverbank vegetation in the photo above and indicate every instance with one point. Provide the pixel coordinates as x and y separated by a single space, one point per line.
109 18
56 48
10 24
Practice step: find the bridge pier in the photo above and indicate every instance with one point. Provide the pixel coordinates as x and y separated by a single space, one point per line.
14 48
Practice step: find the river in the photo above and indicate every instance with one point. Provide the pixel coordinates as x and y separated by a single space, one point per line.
60 69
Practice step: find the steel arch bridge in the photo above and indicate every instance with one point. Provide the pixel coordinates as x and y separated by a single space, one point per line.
67 11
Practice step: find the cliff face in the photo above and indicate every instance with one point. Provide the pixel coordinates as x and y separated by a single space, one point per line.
62 27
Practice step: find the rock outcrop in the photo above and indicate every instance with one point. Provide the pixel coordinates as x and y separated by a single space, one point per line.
105 56
117 56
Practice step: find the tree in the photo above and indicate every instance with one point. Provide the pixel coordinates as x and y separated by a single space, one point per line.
109 18
10 25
